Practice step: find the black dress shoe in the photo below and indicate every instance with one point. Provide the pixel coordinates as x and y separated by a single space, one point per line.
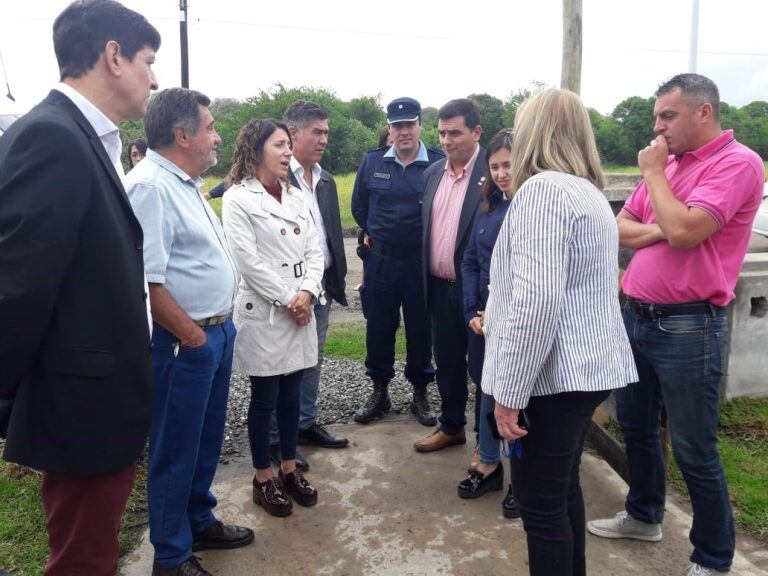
476 483
190 567
275 457
221 536
299 488
317 435
271 496
509 505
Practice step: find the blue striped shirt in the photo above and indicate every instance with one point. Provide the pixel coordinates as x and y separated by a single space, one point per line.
553 322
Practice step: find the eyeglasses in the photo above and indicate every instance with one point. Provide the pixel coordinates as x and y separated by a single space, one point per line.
509 134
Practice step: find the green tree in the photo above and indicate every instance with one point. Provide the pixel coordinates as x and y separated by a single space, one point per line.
491 115
611 141
130 131
221 107
518 97
635 115
368 110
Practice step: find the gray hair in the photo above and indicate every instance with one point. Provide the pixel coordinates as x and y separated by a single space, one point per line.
696 88
170 109
302 112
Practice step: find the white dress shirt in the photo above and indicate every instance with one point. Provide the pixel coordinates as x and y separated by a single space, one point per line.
109 135
314 207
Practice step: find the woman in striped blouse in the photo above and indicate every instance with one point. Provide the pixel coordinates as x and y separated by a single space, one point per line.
555 341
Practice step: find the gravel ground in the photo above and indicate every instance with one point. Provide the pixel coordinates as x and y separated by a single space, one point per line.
344 387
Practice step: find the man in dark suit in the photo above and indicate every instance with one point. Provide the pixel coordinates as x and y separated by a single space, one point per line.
308 126
75 374
451 195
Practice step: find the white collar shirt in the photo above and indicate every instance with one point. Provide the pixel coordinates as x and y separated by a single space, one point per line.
314 206
109 135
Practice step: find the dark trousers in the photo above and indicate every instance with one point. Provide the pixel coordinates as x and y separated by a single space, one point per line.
546 481
390 283
449 341
82 518
277 394
475 355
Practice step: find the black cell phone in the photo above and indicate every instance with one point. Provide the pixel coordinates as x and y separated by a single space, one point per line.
492 423
522 422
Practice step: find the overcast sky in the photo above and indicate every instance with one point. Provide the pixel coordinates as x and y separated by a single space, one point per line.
430 50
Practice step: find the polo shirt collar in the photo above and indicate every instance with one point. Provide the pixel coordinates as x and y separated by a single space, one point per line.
712 147
163 162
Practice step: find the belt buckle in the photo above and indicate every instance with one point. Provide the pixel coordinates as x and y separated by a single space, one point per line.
300 272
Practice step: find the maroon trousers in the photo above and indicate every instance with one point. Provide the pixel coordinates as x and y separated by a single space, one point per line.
83 520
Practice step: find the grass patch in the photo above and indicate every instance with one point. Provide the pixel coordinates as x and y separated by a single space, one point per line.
743 447
615 169
347 340
344 185
23 541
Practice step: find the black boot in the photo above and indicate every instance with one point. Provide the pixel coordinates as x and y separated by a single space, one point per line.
378 403
420 406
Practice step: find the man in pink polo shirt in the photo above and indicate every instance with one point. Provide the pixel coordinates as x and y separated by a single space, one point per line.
689 221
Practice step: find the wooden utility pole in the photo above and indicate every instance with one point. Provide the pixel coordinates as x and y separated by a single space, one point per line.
570 77
184 44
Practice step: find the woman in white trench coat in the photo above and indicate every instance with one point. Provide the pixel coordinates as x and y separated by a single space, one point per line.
274 243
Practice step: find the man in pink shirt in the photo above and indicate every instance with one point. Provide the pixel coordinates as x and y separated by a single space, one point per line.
451 195
689 221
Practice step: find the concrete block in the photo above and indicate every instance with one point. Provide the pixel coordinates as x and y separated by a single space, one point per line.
747 361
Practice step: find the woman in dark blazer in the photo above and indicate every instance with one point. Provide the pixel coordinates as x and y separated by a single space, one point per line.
486 472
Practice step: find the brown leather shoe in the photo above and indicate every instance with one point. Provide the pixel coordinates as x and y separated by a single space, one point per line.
439 440
271 496
473 463
190 567
299 488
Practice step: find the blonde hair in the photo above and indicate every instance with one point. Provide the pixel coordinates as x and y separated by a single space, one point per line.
553 132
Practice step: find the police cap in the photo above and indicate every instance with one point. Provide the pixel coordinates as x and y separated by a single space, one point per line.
403 110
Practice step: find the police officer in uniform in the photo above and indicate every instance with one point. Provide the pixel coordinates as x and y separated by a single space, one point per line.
386 204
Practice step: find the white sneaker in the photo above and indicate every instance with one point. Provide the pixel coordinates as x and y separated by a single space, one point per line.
698 570
624 526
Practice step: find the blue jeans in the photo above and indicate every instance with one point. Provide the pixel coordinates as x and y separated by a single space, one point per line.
489 446
274 395
310 382
188 415
680 362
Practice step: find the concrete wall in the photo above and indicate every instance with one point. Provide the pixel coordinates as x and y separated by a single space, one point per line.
747 360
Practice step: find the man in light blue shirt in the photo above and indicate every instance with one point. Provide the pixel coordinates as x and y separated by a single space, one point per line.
192 282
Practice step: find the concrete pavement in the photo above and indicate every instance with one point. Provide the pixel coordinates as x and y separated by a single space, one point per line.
386 510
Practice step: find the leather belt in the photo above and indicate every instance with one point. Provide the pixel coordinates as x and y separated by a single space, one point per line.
445 280
395 252
213 320
650 310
